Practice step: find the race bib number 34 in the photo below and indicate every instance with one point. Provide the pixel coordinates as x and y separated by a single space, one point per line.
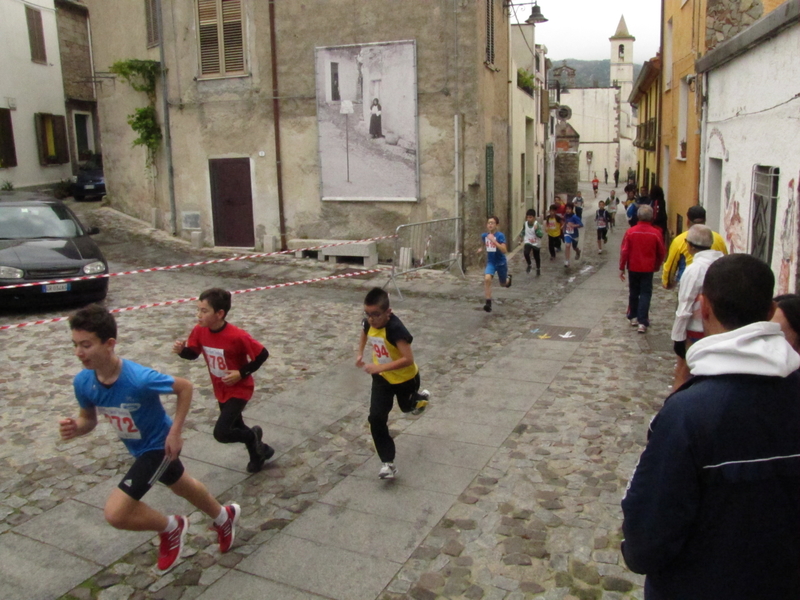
122 422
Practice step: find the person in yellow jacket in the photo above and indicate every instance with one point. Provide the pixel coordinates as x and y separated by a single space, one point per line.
393 370
679 257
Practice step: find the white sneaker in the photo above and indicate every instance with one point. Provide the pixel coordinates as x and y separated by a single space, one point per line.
388 471
634 323
642 329
566 263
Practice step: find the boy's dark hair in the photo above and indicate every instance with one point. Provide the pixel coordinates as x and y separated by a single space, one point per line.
790 305
94 319
696 213
554 207
377 297
739 289
570 206
218 299
496 219
530 213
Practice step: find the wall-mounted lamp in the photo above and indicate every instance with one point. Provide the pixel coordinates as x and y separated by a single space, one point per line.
536 15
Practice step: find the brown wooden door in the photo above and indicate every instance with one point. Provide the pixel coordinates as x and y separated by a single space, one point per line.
232 202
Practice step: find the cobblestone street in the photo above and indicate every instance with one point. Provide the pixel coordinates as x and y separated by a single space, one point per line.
509 484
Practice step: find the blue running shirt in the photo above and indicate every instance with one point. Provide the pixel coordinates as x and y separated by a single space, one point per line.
131 404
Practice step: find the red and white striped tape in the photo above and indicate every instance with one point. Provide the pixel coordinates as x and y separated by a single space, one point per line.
194 264
184 300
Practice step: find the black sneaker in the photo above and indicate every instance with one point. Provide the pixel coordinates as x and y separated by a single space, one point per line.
528 270
538 272
488 306
509 280
263 452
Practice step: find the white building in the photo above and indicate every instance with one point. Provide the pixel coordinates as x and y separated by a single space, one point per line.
34 147
603 117
750 164
529 119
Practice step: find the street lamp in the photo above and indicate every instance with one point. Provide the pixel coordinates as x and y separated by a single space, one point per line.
536 15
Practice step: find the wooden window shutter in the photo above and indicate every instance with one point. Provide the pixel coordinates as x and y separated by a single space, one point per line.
41 137
233 35
151 17
221 30
210 62
36 35
8 152
61 143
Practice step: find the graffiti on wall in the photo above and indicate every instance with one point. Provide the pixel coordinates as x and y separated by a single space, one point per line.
788 242
734 226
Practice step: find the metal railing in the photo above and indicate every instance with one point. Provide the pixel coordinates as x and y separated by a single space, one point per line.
426 245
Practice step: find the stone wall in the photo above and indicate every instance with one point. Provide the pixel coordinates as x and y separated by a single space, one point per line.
726 18
566 174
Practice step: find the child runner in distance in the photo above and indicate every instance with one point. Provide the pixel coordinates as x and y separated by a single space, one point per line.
552 225
128 395
532 234
232 356
393 370
571 225
602 219
494 242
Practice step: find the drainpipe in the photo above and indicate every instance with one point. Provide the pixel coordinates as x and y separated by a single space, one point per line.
276 117
173 220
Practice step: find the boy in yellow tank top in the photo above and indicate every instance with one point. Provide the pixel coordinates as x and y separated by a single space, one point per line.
393 370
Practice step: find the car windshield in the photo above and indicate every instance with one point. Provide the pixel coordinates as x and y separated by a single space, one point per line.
37 221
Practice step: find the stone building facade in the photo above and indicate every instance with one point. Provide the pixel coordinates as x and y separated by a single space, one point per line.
726 18
462 93
72 19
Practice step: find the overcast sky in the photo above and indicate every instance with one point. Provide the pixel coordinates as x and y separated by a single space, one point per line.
581 28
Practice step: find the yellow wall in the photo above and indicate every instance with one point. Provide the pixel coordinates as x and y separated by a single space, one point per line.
681 176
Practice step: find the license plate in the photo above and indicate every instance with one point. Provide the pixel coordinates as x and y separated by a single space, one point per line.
89 186
56 287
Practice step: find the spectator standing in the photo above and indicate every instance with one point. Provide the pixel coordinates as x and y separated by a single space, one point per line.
659 204
641 253
616 178
678 257
713 508
605 175
688 325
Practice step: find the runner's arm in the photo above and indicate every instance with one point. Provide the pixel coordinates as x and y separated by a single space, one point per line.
362 342
183 389
71 427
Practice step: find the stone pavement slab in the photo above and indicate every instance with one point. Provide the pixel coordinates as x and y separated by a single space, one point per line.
80 529
31 570
376 535
418 471
243 586
321 569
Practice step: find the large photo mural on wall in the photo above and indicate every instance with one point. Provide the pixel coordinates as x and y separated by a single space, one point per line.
367 121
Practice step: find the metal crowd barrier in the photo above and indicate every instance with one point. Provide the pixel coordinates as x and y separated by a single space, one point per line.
426 245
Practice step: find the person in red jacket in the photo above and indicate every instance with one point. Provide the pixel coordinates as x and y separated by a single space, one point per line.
642 253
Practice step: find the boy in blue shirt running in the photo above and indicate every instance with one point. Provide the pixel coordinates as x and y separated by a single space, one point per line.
494 242
128 394
571 225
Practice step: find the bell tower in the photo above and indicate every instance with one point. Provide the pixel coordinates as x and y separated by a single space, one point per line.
622 58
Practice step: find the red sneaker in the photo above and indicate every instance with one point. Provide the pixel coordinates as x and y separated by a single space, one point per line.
169 551
227 531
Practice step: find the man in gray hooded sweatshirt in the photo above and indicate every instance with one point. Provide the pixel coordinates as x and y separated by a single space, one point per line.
713 508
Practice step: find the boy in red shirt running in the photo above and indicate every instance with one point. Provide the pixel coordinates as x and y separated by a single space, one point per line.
232 357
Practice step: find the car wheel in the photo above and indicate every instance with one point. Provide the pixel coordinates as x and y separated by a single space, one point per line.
79 198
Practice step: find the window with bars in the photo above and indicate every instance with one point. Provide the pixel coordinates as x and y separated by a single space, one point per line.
490 31
36 35
764 189
221 30
8 151
151 15
51 136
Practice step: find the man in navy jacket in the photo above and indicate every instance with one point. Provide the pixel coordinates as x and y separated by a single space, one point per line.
713 508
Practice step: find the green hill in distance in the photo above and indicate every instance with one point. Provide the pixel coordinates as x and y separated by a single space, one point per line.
588 73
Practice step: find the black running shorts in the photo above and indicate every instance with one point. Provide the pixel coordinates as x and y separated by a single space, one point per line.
146 470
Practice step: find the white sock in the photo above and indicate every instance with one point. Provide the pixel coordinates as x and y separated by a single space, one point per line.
172 523
221 517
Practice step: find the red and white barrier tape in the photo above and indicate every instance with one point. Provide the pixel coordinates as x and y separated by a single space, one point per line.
185 300
194 264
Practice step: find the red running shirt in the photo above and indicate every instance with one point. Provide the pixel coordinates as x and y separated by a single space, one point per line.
228 349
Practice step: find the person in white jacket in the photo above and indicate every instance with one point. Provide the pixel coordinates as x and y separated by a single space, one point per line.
688 325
